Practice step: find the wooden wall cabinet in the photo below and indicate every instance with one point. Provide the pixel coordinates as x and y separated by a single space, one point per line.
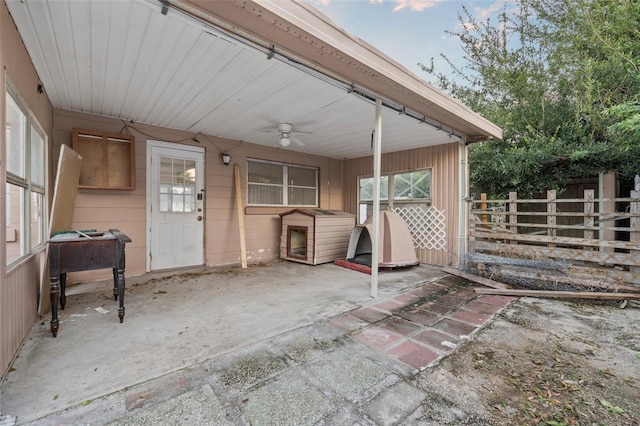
108 159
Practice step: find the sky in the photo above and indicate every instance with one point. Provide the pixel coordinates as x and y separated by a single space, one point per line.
408 31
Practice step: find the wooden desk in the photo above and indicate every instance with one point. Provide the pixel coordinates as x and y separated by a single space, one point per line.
76 252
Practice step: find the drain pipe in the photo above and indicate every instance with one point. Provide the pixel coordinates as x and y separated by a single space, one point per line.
377 142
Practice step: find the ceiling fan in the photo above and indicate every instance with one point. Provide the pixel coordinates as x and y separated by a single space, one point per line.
287 134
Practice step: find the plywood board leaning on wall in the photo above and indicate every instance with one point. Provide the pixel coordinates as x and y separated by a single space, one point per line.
61 218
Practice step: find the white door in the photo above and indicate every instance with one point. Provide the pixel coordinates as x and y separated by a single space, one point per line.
175 176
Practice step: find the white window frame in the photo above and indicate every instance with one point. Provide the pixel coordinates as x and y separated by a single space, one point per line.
365 205
285 184
27 184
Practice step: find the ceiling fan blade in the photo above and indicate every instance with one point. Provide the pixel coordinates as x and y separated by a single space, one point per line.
296 140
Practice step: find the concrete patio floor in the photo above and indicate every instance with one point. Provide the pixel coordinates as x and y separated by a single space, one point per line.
217 337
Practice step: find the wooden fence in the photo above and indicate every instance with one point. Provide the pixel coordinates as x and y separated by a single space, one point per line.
596 236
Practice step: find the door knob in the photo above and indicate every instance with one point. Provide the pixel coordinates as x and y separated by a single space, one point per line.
199 218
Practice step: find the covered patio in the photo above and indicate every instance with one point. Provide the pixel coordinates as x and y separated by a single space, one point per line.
208 319
265 81
229 78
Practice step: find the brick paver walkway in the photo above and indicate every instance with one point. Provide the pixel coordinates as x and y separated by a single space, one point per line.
422 325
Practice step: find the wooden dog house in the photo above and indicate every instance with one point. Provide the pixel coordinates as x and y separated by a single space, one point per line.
315 236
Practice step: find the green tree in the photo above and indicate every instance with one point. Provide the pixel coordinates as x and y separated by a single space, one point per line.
562 78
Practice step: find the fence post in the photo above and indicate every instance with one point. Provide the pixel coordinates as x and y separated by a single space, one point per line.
588 214
607 195
634 224
483 207
551 215
513 214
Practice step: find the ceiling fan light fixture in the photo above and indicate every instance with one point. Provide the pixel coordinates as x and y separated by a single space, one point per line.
285 141
285 127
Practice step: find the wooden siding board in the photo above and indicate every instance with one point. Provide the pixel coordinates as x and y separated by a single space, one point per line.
341 239
335 232
328 254
337 222
334 236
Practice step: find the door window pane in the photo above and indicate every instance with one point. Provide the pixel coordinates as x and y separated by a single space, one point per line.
178 170
177 204
165 199
177 185
166 170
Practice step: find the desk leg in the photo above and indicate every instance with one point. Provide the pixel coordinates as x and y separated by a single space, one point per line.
115 284
120 274
54 294
63 291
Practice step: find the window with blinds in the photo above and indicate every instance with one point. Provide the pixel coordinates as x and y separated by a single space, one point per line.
277 184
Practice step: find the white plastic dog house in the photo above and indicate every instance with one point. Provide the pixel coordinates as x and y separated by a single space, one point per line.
395 244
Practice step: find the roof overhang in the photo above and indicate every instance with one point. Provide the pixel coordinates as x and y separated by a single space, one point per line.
299 29
236 69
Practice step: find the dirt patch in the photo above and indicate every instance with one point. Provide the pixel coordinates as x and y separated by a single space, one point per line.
542 362
183 278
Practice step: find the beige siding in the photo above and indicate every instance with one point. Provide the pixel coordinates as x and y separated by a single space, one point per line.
18 307
445 161
331 186
327 236
332 237
126 209
18 287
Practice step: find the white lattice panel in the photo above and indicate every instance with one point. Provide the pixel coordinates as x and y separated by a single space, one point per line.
427 226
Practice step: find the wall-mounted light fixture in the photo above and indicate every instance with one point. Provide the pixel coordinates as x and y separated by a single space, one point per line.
226 158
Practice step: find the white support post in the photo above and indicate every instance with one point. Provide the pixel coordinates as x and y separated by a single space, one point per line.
377 142
464 205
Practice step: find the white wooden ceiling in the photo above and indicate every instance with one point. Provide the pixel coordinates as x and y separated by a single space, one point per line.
127 60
